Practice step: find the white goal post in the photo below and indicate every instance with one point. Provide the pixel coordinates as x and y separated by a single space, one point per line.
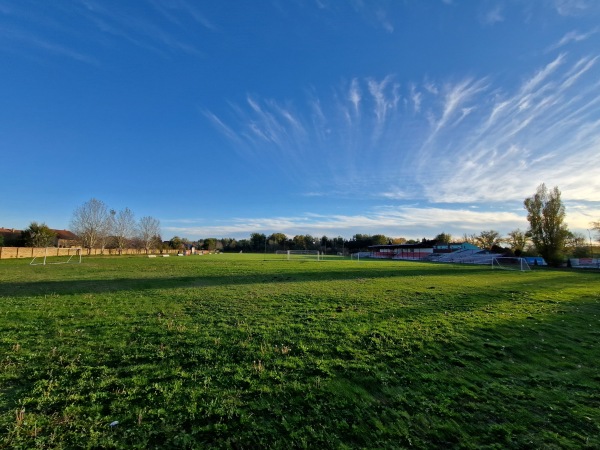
57 256
314 255
358 255
510 263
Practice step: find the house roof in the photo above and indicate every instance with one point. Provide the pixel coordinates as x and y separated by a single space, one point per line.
60 234
7 232
66 235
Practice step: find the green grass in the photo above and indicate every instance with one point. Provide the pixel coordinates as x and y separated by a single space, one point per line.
232 351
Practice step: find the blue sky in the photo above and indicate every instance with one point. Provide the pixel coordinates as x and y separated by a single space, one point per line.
405 118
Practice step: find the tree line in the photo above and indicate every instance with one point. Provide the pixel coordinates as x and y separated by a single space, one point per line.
97 226
36 235
548 236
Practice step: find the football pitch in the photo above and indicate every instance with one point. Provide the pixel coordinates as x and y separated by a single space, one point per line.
246 351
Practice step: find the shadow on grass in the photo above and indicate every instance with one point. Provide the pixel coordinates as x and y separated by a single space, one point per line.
100 285
521 383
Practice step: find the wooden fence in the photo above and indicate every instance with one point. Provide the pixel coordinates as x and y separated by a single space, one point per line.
30 252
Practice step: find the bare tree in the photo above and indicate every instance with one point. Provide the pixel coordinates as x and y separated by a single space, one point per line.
149 232
575 239
106 231
470 239
576 245
487 239
596 227
91 222
124 228
517 240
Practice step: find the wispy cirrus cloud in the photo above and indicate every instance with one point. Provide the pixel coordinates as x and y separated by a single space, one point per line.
176 10
382 17
406 221
542 132
355 95
466 141
571 37
385 99
144 31
416 98
409 221
45 44
493 15
86 24
457 102
359 118
573 7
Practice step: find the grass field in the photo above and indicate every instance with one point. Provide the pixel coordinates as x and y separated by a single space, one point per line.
232 351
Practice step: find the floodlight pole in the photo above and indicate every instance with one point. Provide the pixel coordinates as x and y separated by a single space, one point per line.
591 247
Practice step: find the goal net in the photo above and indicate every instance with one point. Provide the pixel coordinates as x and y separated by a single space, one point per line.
310 255
359 255
52 255
510 263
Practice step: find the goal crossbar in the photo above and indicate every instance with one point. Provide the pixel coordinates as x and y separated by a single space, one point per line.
510 263
301 254
66 255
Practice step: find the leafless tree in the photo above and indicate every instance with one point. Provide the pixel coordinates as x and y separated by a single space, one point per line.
124 228
487 239
106 231
149 232
91 222
470 239
517 240
596 227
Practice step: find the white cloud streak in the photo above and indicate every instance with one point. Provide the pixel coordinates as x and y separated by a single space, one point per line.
171 28
46 45
355 96
409 221
573 36
572 7
493 16
467 141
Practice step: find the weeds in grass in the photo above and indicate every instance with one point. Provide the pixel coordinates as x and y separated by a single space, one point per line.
234 352
20 417
258 366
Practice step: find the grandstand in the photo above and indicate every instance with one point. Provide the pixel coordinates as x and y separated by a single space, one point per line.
584 263
421 251
466 256
460 253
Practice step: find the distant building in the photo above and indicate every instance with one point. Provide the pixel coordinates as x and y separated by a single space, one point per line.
14 238
65 238
418 251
